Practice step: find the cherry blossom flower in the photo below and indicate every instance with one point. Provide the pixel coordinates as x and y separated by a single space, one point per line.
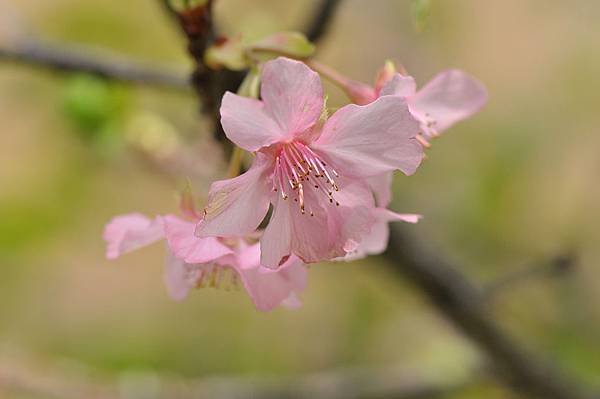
450 97
376 241
312 173
194 262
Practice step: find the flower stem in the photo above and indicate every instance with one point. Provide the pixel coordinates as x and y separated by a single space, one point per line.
235 162
329 73
358 92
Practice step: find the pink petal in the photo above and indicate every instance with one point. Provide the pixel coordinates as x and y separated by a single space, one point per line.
360 93
276 242
384 75
364 141
381 185
353 193
324 236
376 241
247 256
399 85
289 231
449 97
246 123
269 288
180 277
293 95
315 238
237 206
355 216
186 246
129 232
373 243
292 302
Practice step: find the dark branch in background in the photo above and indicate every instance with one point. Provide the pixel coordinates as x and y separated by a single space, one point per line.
558 266
320 21
463 304
166 5
71 60
197 24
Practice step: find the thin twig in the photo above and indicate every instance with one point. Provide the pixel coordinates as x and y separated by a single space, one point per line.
462 303
558 266
166 4
65 59
197 24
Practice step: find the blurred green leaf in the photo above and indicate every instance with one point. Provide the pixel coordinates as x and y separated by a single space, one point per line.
421 10
290 44
235 54
94 106
228 53
251 84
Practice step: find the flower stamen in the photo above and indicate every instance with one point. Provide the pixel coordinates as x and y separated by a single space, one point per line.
214 276
301 167
429 126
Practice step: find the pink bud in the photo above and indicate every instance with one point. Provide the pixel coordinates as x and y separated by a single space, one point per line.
384 75
359 92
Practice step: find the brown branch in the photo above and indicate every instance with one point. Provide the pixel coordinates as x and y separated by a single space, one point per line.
463 304
320 22
197 24
557 266
166 5
63 59
210 85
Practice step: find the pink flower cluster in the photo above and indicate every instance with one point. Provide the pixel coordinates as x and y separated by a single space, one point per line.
326 181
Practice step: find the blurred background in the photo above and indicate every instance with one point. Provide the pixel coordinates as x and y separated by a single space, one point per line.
515 184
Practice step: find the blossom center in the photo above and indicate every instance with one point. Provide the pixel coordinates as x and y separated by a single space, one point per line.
297 169
212 275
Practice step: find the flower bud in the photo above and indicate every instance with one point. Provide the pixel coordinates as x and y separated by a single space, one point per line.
359 92
384 75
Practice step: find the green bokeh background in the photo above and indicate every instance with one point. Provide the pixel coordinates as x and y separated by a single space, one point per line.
514 184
